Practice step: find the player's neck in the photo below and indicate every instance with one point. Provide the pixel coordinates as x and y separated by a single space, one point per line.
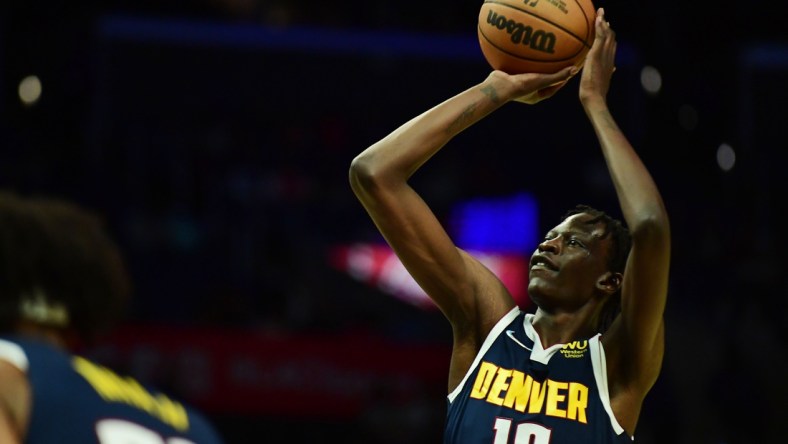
562 327
50 335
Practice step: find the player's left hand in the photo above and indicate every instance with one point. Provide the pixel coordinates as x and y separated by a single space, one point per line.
600 62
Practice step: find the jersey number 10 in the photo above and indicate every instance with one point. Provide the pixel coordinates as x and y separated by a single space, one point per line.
118 431
525 433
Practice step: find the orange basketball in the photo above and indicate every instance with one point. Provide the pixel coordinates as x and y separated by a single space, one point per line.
545 36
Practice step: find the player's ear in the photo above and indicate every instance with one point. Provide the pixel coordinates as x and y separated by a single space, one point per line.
609 282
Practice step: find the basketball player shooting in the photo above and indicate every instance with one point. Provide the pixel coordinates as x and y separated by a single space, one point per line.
580 367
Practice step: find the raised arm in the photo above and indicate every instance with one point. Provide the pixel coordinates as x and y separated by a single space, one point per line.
635 341
470 296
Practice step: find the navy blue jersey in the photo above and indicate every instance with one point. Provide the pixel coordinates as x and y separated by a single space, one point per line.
516 392
77 401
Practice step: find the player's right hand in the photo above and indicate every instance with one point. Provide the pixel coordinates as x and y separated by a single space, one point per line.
532 88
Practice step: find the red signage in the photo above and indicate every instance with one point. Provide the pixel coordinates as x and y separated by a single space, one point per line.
377 265
249 373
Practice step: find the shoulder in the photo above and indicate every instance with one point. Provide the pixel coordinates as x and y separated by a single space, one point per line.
12 353
628 383
15 393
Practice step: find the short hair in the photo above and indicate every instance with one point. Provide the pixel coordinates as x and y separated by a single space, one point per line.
617 259
58 267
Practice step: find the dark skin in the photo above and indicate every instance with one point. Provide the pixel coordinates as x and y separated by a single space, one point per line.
569 268
571 297
15 401
15 394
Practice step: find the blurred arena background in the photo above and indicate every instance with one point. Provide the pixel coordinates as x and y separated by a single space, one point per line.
215 136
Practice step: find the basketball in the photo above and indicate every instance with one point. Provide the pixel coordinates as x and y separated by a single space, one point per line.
543 36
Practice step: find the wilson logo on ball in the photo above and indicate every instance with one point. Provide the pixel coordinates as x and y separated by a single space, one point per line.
538 40
518 36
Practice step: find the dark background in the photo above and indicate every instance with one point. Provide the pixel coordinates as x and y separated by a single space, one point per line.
218 156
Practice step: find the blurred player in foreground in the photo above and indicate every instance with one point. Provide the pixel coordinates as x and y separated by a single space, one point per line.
63 283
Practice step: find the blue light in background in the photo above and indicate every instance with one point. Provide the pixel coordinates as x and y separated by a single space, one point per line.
390 43
504 225
293 38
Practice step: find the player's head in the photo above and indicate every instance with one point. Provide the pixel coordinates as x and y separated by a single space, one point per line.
58 268
581 258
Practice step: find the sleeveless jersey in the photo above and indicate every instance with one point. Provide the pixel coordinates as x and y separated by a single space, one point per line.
516 392
77 401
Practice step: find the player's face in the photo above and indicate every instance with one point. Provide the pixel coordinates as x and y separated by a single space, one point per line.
569 263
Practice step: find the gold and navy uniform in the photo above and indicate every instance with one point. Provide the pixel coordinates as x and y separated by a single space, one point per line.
75 400
517 392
